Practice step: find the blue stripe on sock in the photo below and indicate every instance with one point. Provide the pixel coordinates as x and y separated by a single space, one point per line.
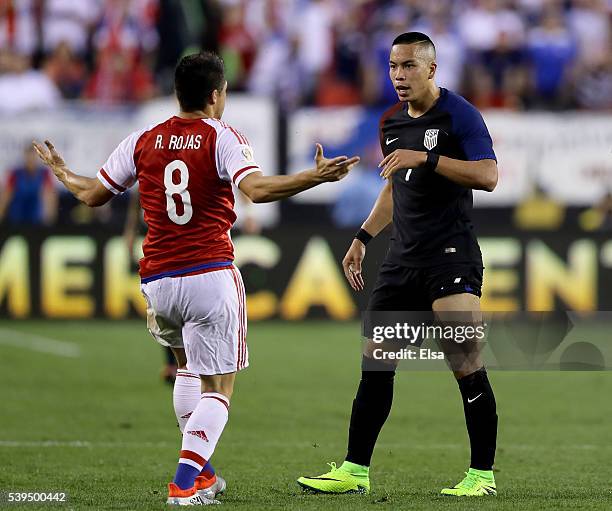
185 476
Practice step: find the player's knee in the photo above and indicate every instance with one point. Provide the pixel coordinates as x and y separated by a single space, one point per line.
219 384
467 368
181 357
463 372
224 390
372 368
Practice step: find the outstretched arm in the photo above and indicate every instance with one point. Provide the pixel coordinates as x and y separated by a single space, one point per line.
478 174
86 189
260 188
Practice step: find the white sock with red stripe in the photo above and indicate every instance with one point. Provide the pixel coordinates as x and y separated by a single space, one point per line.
186 395
202 432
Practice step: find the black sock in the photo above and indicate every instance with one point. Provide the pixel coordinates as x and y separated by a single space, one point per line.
371 408
480 418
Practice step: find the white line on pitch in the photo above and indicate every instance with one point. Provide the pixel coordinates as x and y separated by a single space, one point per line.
82 443
9 337
298 445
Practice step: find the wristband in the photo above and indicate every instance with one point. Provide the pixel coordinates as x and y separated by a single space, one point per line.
363 236
432 160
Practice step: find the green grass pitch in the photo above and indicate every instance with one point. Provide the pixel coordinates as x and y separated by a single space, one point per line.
100 425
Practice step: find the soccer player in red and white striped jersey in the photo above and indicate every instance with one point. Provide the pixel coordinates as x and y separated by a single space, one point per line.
185 167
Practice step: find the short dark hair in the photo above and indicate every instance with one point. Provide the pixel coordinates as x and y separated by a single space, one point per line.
414 37
196 77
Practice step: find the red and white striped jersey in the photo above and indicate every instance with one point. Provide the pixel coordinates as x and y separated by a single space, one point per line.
185 169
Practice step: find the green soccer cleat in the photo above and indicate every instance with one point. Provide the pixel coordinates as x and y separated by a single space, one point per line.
349 478
477 483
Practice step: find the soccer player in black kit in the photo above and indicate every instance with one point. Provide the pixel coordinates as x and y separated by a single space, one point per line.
436 150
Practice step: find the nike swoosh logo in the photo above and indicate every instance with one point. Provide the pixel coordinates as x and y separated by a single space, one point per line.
392 140
474 399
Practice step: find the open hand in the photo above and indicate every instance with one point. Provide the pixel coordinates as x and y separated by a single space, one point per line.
333 169
50 157
351 264
401 159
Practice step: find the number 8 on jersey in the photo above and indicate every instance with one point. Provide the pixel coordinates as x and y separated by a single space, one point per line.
179 189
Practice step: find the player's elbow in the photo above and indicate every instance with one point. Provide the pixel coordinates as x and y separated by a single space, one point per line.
258 196
87 200
92 200
489 179
95 203
254 187
259 193
261 196
489 184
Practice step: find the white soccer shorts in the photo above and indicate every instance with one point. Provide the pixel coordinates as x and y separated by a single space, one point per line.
204 314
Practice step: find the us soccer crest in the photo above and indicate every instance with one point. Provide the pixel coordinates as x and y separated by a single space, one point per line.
431 139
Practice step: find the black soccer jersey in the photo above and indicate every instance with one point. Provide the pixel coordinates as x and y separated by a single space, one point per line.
431 214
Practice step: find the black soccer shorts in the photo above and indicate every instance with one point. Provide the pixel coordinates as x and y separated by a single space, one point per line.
402 288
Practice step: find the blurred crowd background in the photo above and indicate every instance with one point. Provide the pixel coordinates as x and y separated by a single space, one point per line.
515 54
101 57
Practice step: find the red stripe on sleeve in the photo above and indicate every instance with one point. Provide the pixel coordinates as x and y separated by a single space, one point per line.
111 182
236 135
242 171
